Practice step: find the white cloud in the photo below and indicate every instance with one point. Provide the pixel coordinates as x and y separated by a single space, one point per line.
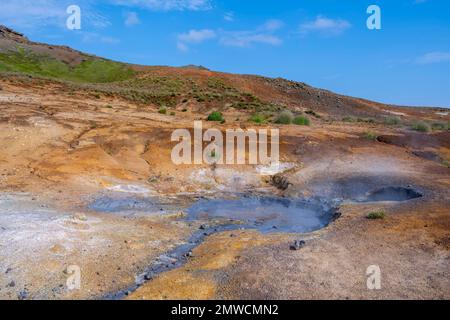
264 34
91 37
434 57
166 5
32 14
197 36
325 26
27 13
182 47
35 14
194 37
131 19
247 38
273 25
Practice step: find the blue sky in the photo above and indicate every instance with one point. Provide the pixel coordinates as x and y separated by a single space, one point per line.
324 43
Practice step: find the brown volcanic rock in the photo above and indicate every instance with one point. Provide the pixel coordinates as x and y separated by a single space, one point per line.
11 40
7 33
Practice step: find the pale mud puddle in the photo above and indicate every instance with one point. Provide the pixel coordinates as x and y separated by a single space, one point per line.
392 194
266 214
263 213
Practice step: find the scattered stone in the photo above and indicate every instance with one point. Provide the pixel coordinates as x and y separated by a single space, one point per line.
280 182
80 217
204 227
23 295
12 284
148 277
298 244
8 270
189 254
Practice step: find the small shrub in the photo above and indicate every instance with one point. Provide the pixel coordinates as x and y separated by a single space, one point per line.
162 110
285 117
392 121
172 113
376 215
109 106
348 119
216 116
439 126
301 121
184 110
421 126
371 135
258 118
366 120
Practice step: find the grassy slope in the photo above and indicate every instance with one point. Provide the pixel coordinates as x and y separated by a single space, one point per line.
90 71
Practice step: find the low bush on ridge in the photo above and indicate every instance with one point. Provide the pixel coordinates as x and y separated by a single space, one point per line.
216 116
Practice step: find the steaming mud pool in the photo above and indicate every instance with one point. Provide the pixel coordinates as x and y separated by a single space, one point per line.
267 214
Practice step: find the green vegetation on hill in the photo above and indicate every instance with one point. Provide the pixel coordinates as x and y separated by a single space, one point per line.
285 117
216 116
90 71
376 215
301 121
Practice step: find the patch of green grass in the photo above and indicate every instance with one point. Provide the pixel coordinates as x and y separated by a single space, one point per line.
162 110
109 106
348 119
371 135
446 163
172 113
90 71
216 116
258 118
376 215
301 121
440 126
284 117
366 120
421 126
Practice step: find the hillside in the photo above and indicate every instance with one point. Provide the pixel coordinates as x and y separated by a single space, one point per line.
88 183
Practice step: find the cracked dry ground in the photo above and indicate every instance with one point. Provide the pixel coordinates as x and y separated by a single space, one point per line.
61 151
